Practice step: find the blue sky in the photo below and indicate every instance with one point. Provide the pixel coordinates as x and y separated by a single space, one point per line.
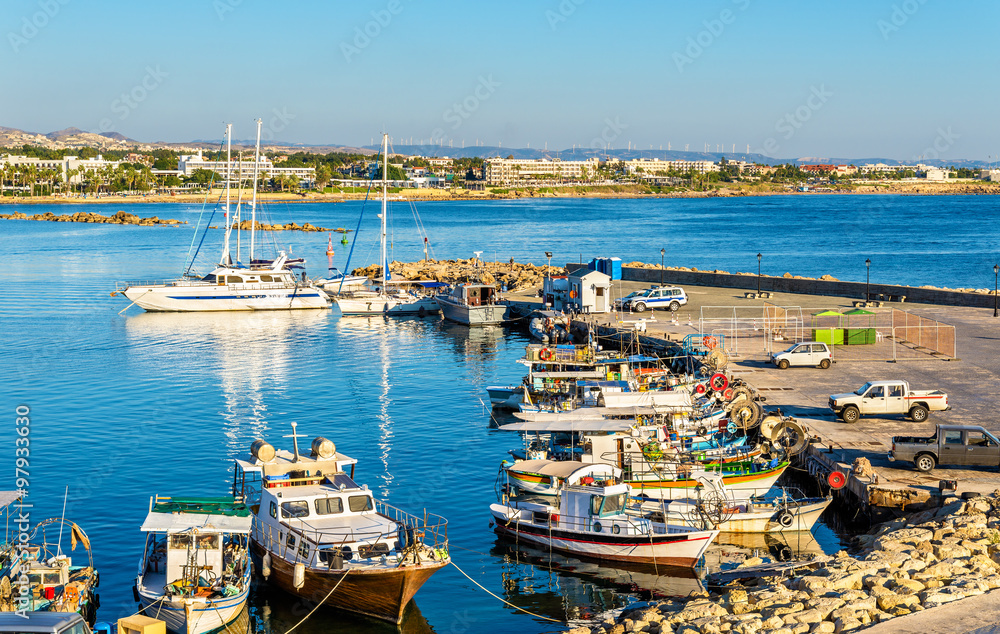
899 79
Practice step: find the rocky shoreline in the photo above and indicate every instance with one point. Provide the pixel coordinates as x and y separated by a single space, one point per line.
125 218
514 276
927 560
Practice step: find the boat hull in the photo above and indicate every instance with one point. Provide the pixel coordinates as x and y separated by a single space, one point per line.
385 305
209 298
488 315
193 615
506 396
755 518
382 593
672 549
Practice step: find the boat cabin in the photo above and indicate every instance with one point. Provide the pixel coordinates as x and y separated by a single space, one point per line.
475 294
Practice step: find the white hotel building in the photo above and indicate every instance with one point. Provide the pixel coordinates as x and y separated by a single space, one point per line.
187 164
501 171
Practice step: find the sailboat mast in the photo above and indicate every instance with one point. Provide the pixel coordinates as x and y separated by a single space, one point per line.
385 195
253 203
229 178
239 206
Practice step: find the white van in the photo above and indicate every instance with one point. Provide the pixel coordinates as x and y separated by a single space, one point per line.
811 353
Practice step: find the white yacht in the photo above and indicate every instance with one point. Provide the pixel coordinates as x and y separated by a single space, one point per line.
195 573
260 285
383 299
319 535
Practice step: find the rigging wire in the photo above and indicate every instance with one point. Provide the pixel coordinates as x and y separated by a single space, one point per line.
187 271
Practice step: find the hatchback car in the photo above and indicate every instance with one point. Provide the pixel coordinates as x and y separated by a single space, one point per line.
811 353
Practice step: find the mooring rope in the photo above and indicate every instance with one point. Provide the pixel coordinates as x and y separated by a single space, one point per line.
328 594
538 616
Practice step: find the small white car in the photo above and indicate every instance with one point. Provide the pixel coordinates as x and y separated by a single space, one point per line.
810 353
669 297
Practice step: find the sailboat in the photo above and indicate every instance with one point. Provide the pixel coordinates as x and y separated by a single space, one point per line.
261 285
383 300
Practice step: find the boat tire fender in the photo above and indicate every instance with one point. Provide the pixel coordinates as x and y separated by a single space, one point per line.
785 518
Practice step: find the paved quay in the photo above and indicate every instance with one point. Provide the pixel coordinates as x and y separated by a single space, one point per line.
970 379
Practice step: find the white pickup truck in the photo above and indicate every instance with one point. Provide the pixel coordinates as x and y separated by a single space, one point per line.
888 397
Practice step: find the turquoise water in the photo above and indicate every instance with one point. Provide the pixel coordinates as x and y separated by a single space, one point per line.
126 407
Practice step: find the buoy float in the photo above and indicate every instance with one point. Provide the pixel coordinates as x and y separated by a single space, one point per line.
343 240
329 245
700 389
836 480
719 382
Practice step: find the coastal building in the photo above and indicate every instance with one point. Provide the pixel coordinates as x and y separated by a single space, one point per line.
506 172
188 164
992 175
71 168
936 174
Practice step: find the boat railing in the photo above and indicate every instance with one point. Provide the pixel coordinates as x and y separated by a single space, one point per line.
121 286
628 525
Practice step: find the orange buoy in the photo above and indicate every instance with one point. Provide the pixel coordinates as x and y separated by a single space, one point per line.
329 245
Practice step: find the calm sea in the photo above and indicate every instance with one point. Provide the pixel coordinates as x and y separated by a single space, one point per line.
126 407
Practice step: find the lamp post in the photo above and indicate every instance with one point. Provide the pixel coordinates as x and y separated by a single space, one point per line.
868 270
548 276
758 274
996 276
663 252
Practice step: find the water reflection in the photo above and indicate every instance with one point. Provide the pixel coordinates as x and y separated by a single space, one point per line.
570 589
246 353
274 612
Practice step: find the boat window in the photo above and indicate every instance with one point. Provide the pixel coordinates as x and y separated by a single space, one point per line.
274 510
296 508
208 542
209 278
304 549
52 579
329 506
358 503
290 542
608 505
180 541
266 278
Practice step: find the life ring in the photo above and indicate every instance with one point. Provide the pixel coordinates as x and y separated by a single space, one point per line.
545 354
710 342
785 518
699 389
572 294
719 382
836 480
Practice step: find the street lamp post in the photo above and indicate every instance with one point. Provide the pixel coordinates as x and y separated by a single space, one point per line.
663 252
868 270
996 276
758 274
548 276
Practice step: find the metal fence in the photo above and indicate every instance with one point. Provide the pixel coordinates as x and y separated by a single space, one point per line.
753 333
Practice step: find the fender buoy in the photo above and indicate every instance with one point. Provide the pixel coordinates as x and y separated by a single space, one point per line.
731 427
710 342
785 518
545 354
702 431
719 382
836 480
728 394
699 389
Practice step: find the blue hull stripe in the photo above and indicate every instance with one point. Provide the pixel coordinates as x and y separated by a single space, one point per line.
240 296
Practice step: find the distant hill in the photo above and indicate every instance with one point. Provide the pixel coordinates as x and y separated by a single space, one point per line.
73 137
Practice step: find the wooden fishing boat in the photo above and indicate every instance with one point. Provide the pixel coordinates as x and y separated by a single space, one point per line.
195 573
591 519
319 535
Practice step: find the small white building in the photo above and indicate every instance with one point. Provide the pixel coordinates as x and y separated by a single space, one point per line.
585 291
936 174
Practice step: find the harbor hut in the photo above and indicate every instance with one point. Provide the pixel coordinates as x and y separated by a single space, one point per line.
589 291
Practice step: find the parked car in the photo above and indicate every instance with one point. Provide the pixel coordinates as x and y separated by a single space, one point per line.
43 622
962 445
671 297
888 397
811 353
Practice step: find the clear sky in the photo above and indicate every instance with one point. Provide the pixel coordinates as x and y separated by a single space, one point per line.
898 79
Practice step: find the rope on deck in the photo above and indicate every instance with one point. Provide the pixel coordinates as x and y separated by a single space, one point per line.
537 616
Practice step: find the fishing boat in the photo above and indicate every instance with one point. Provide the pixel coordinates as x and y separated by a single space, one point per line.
384 299
590 517
54 582
474 305
195 572
319 535
261 284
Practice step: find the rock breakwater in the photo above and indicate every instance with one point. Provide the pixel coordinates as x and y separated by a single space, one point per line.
932 558
512 275
125 218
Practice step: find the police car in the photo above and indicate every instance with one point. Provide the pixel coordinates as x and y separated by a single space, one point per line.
670 297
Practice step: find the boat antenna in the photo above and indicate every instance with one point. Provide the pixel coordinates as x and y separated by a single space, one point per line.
295 440
61 523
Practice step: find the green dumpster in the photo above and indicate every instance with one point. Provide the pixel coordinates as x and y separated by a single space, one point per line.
831 336
859 336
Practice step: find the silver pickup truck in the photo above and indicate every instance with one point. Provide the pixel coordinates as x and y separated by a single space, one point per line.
958 445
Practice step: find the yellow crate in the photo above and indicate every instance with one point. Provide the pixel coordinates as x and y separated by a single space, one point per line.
139 624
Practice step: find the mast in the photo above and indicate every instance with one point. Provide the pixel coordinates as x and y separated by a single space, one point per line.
385 195
239 207
229 177
253 204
